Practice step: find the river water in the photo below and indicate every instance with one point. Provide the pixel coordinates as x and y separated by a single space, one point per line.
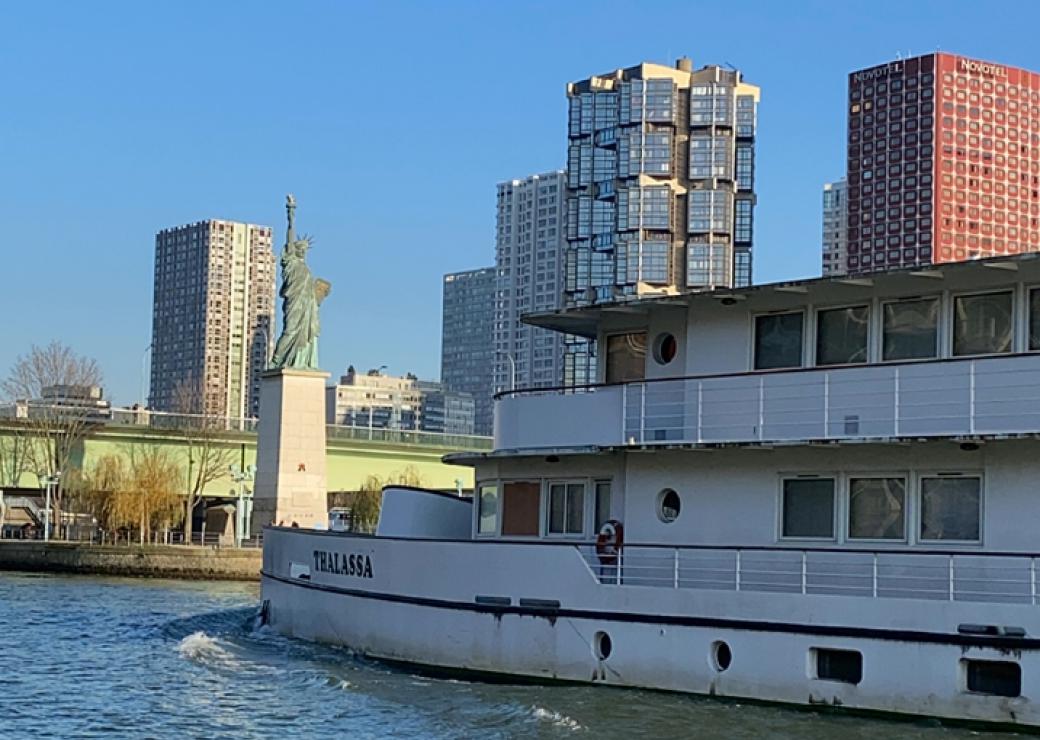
106 657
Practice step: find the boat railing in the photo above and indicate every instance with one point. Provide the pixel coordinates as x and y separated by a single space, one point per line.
972 577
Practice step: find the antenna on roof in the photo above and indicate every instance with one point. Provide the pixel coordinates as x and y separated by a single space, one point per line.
730 66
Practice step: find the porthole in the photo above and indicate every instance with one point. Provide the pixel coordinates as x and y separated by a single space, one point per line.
668 506
721 656
665 348
601 645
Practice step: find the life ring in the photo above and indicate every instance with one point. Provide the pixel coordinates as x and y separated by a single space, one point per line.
609 542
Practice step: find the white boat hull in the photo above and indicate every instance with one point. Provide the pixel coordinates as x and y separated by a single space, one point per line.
443 604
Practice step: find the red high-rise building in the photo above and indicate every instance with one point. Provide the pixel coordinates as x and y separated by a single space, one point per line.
943 162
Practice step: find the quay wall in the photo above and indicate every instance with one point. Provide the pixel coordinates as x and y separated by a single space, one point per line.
154 561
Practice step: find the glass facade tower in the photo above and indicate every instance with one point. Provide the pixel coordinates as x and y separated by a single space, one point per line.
660 187
467 340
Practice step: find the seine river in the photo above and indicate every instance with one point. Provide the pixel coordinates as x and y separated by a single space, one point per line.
104 657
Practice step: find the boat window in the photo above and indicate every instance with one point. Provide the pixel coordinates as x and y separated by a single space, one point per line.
566 508
808 508
1034 318
911 329
841 335
982 324
839 665
668 506
877 508
626 357
487 514
602 503
996 677
521 504
665 348
778 340
951 508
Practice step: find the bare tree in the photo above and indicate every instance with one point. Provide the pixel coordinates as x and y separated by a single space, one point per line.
209 454
52 432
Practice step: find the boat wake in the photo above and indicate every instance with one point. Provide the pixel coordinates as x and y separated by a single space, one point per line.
556 719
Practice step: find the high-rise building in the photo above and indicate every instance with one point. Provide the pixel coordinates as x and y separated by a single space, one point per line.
943 162
529 247
467 340
835 227
212 317
660 187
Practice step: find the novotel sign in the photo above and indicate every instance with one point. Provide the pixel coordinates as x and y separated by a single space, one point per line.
874 73
984 68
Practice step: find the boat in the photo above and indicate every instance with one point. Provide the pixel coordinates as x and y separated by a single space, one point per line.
817 493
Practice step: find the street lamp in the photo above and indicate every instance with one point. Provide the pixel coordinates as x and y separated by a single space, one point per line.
51 481
243 512
144 355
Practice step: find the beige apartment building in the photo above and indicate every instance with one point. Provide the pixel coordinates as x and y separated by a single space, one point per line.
212 317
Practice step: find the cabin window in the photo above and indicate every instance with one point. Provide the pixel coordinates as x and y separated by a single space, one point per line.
566 508
668 505
982 324
602 503
778 340
665 348
626 357
877 508
487 509
951 508
808 508
995 677
839 665
911 329
841 335
521 506
1034 318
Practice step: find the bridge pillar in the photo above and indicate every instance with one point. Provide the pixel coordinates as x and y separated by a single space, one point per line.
290 479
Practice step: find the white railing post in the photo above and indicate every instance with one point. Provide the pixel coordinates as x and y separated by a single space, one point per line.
804 573
971 397
675 568
895 404
700 411
1032 580
826 404
874 577
761 405
624 413
617 576
642 413
951 578
738 570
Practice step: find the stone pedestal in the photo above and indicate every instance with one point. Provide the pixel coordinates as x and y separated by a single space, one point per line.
290 456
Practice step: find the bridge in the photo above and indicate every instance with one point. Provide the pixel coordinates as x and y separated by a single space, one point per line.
354 453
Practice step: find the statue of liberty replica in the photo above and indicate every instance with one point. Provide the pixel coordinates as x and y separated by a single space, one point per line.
290 487
301 294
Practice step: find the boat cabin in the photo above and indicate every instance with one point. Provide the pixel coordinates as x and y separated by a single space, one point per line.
896 411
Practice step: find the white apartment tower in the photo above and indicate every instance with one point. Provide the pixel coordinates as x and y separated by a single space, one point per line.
529 250
212 317
835 228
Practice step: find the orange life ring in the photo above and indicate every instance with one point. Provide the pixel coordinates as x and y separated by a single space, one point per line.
609 542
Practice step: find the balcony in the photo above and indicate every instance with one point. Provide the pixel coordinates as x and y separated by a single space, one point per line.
946 398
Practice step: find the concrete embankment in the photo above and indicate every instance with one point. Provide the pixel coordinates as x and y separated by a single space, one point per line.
154 561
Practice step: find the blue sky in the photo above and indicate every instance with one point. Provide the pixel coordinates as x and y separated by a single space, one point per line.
392 123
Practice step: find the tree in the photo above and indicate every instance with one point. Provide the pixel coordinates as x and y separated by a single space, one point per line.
209 455
369 498
139 492
52 432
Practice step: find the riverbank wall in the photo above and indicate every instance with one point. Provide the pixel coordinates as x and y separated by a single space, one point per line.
152 561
